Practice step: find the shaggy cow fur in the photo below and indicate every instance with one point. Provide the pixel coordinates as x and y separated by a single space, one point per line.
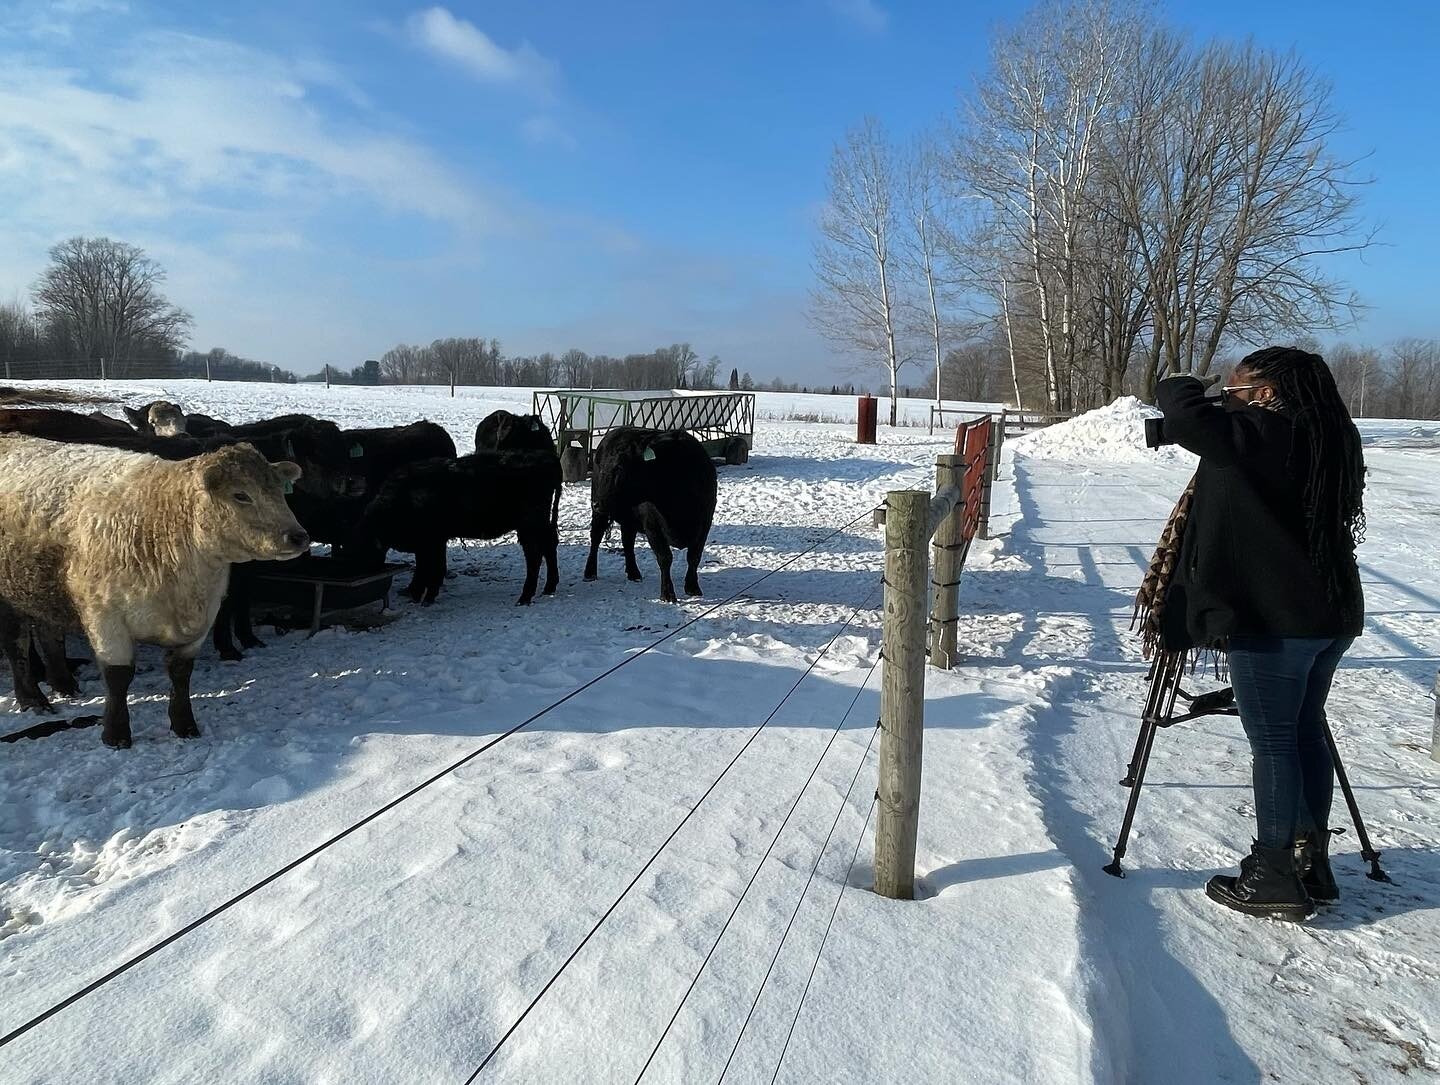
662 483
483 496
130 548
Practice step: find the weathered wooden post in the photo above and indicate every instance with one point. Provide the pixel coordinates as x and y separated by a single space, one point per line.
452 381
902 692
945 611
992 468
1435 734
327 374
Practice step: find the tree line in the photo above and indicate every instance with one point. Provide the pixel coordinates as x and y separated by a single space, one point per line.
1113 202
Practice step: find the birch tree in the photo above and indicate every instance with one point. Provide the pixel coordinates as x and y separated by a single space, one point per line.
857 302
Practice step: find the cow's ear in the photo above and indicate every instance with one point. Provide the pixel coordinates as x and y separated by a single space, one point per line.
287 471
137 418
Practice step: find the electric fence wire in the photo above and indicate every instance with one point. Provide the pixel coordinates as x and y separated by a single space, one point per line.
819 952
665 843
761 864
819 855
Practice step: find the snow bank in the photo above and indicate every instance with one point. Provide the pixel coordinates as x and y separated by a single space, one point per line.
1113 434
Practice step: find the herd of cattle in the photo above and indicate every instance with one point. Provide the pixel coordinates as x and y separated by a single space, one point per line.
140 530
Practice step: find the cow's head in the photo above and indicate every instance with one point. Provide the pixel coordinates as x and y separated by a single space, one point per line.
241 512
331 468
166 419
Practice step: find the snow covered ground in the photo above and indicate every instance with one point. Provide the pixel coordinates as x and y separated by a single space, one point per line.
409 949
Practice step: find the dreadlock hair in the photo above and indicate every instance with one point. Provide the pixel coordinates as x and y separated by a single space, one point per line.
1335 482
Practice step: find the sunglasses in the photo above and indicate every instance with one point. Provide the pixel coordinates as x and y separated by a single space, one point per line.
1228 390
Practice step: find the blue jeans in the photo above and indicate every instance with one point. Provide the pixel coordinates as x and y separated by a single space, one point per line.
1281 684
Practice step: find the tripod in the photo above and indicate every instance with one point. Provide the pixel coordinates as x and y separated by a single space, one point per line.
1165 674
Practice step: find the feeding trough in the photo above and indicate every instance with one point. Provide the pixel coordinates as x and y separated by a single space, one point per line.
320 585
723 422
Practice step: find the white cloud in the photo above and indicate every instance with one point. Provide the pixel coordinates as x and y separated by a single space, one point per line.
865 14
177 123
464 43
543 131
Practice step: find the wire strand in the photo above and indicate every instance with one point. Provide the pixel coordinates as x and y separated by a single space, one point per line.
761 864
664 843
819 855
819 952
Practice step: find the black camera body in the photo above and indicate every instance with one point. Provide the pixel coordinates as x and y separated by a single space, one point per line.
1155 433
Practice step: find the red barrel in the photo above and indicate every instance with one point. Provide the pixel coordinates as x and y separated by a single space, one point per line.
868 415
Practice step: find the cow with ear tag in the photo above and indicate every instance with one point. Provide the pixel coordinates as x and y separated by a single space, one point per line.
129 548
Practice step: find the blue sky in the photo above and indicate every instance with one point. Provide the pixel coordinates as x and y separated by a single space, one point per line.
324 180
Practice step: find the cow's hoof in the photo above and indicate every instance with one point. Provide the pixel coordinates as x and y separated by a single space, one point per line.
523 601
251 642
231 655
591 576
34 704
634 578
116 742
66 689
549 589
696 592
668 597
186 731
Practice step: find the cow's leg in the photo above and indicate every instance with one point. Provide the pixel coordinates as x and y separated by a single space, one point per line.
57 668
115 656
15 632
692 567
221 633
552 560
628 531
532 545
240 584
655 530
599 525
435 562
179 664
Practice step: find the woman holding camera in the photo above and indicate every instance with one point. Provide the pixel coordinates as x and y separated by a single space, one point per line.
1267 573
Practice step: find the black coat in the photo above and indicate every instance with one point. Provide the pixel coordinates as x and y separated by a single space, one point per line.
1245 566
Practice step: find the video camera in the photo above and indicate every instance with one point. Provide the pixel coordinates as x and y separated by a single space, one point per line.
1155 433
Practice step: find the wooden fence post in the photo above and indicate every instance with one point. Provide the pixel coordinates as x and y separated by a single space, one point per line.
902 692
327 374
992 468
1435 734
945 611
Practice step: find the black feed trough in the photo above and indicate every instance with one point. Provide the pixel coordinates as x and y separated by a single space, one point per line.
321 585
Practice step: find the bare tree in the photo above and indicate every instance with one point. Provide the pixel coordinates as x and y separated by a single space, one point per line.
926 248
102 297
857 302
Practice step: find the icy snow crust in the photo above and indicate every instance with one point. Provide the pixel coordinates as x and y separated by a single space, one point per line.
404 952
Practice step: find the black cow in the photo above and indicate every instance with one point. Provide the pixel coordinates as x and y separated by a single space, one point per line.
662 483
423 506
502 431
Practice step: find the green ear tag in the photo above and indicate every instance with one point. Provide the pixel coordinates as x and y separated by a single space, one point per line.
649 453
289 487
356 451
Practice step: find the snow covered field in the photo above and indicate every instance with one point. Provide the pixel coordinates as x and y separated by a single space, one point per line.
408 950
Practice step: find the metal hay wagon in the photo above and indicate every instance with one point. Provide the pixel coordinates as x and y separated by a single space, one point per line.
724 422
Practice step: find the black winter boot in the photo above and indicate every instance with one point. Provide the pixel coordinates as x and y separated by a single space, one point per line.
1312 863
1267 886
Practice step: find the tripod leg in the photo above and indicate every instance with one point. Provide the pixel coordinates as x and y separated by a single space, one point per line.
1142 759
1160 676
1159 706
1367 850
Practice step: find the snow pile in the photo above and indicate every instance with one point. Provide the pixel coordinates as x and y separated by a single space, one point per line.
1113 434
